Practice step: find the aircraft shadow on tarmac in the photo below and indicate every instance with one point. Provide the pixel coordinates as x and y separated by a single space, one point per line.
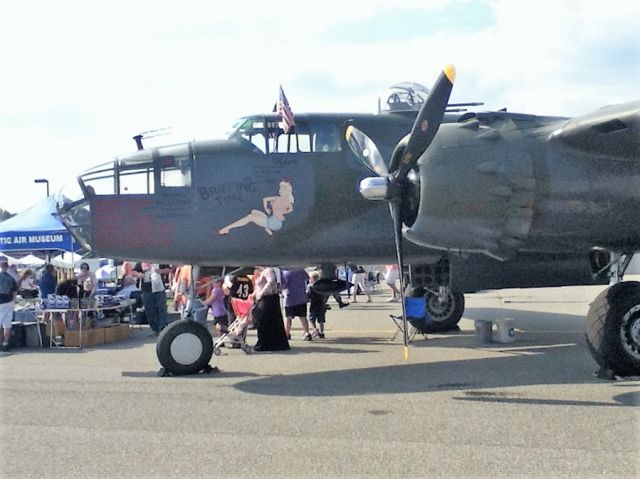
549 350
470 377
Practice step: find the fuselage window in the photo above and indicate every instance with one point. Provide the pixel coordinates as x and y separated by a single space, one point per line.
174 163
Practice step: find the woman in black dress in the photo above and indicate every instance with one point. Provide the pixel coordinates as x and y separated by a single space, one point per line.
267 314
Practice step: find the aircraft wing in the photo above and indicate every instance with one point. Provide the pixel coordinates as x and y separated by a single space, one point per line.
612 131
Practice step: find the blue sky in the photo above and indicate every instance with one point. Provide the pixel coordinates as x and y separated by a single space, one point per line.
78 82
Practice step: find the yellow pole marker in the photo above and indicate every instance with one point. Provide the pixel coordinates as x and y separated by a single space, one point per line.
405 352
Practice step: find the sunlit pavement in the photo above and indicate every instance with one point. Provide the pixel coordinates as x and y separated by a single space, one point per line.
345 406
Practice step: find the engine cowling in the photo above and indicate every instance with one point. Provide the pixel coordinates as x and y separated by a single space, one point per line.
475 196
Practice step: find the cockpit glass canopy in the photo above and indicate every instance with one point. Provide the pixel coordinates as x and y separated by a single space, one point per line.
405 96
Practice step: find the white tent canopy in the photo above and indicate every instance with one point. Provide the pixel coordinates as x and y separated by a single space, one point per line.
66 260
29 260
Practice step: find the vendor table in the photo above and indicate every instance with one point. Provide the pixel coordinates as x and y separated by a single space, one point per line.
82 315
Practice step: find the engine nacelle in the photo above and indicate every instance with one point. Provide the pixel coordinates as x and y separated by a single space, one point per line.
475 196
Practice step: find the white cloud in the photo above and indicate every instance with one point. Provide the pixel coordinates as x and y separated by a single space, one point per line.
78 83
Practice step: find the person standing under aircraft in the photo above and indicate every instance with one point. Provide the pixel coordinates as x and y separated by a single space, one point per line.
215 300
391 275
317 307
267 315
239 287
8 291
359 281
154 297
294 284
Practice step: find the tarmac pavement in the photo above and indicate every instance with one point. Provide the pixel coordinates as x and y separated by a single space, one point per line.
345 406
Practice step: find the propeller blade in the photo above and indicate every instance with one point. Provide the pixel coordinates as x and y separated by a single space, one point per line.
394 206
366 151
427 122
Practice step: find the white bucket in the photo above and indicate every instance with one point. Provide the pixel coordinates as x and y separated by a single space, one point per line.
505 330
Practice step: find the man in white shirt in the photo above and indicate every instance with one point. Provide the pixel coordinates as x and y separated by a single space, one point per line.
154 297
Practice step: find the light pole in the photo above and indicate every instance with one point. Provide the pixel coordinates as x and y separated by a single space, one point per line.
43 180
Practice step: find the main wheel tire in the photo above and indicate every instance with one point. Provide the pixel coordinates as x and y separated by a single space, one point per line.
444 315
184 347
613 329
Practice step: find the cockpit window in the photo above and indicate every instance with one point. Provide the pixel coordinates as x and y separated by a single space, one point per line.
267 135
99 180
325 137
141 173
136 173
250 130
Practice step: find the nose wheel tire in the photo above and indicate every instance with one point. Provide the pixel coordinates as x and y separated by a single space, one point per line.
184 347
613 329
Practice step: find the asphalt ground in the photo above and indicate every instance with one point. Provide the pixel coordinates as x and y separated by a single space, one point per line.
345 406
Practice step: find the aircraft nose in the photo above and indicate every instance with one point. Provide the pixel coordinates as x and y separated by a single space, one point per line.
73 209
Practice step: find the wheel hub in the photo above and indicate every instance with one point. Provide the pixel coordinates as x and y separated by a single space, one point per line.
630 331
440 310
186 348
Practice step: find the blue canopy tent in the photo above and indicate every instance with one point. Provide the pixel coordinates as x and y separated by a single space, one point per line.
36 230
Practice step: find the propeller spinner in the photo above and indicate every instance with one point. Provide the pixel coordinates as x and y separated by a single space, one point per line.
391 183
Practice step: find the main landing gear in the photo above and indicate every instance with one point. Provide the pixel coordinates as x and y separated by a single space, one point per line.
613 330
445 308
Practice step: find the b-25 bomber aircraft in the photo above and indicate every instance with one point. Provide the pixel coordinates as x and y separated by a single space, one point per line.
468 200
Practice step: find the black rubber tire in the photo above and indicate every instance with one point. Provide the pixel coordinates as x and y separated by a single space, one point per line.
444 317
605 324
169 335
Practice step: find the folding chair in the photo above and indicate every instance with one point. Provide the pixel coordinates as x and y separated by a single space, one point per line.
416 310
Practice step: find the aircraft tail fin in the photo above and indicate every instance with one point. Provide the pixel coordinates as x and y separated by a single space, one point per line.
612 131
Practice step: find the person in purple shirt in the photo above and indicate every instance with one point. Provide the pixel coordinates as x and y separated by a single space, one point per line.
294 284
216 301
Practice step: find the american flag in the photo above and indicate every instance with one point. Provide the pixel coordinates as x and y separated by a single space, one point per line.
285 113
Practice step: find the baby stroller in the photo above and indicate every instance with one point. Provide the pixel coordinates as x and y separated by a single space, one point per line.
235 335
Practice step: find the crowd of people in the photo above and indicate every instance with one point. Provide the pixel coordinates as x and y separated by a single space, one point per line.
263 290
260 292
